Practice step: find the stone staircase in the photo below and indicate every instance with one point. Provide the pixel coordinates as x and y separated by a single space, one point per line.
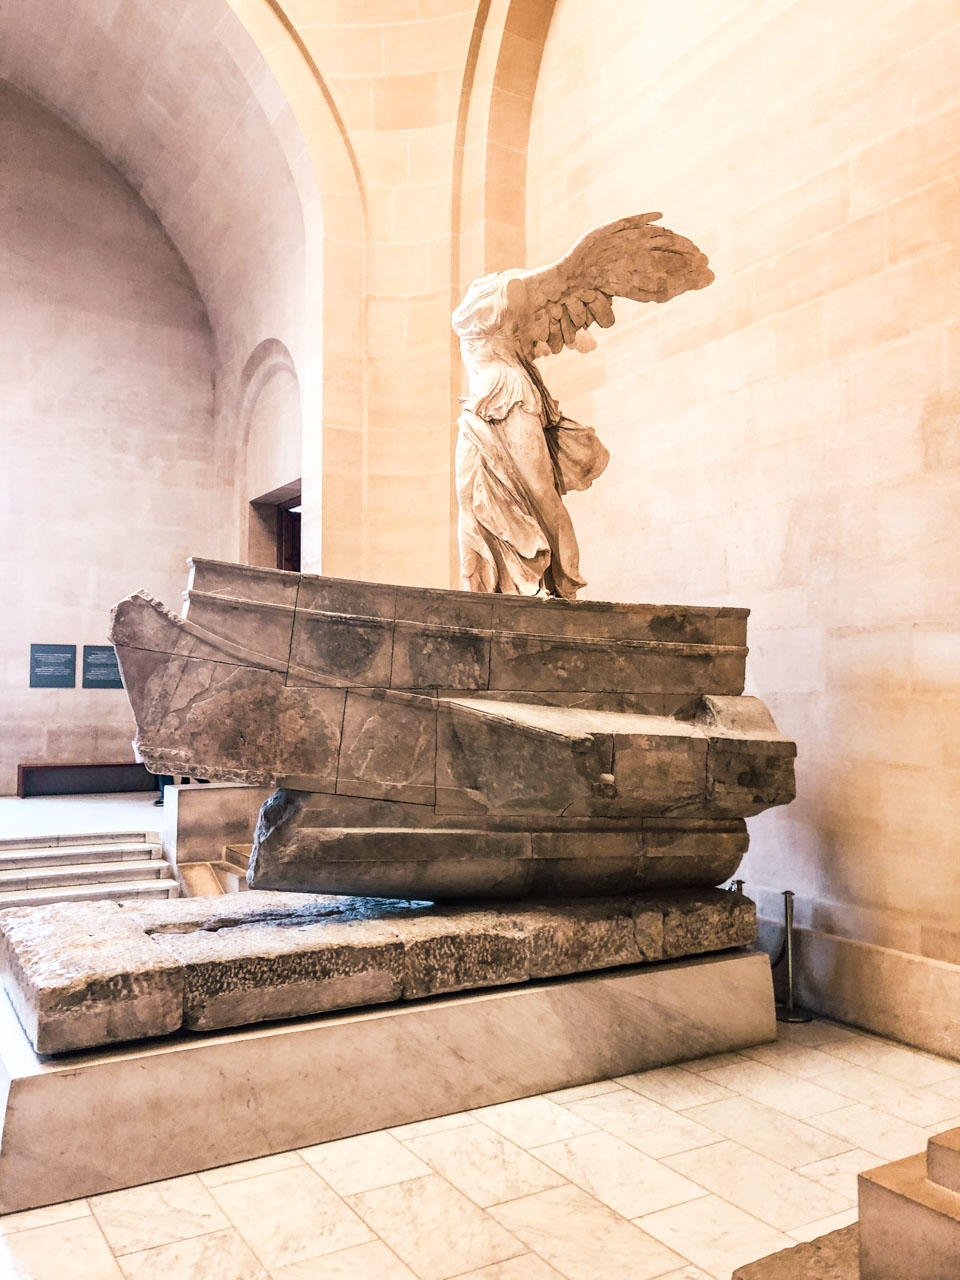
83 868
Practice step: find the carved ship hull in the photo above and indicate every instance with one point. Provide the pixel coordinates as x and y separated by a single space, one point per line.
444 745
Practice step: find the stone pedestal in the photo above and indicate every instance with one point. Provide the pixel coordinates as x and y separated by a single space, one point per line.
96 1121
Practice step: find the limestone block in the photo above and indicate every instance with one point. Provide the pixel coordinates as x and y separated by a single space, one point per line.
257 972
699 920
83 974
458 950
347 597
576 937
548 663
425 657
389 747
834 1256
486 763
344 649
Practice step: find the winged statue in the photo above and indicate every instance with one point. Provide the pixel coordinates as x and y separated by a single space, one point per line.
517 454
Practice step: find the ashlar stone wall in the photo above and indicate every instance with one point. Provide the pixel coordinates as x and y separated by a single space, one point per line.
788 439
106 426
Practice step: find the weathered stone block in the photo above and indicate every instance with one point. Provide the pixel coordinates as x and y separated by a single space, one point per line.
460 950
389 747
343 649
699 920
258 972
426 657
578 937
84 974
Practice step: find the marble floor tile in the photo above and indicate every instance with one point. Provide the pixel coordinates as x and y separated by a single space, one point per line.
434 1228
943 1125
526 1266
687 1273
798 1060
652 1129
862 1126
439 1124
578 1092
74 1250
813 1230
43 1217
250 1168
860 1084
373 1261
839 1173
618 1174
767 1132
675 1088
715 1235
362 1163
482 1164
947 1088
777 1089
768 1191
909 1066
584 1239
158 1213
222 1255
290 1216
815 1033
530 1122
699 1065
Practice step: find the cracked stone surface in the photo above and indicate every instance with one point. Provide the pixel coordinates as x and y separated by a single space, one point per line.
835 1256
87 974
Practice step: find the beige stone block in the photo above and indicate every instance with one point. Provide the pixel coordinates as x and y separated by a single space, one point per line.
810 209
924 221
406 101
915 156
432 43
422 213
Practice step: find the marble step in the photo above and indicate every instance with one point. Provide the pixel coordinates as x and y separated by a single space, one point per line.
97 891
49 876
82 837
20 857
943 1159
909 1223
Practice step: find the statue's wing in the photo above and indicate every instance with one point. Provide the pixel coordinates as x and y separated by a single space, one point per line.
629 258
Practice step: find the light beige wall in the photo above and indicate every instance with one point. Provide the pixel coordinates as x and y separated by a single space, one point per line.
106 426
787 439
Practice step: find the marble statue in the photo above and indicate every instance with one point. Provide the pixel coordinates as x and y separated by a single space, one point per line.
517 454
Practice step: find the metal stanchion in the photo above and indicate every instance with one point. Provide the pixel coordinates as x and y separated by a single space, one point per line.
789 1012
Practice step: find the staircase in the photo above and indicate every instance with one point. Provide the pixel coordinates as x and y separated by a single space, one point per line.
83 868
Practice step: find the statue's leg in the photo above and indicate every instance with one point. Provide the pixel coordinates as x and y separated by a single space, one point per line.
523 435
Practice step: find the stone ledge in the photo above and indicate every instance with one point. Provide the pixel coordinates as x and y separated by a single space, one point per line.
208 963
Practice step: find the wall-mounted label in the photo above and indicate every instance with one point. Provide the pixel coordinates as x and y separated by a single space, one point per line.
53 666
100 669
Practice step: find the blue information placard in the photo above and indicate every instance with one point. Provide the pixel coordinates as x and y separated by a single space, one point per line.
100 668
53 666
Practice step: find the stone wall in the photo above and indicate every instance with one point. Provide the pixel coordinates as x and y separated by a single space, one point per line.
787 440
106 426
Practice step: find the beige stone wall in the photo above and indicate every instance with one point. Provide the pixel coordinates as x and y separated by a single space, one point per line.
106 426
788 439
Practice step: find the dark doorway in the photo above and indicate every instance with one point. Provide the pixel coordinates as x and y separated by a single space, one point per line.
273 535
288 537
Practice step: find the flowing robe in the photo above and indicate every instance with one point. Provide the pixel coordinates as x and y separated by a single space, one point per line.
516 456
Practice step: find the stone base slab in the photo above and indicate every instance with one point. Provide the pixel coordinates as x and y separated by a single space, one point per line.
101 1120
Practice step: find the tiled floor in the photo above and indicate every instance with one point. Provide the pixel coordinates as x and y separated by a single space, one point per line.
683 1173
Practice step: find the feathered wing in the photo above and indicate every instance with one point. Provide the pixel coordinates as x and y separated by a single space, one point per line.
630 258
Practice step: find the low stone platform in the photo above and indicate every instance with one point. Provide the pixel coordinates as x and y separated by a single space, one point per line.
103 1119
90 974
